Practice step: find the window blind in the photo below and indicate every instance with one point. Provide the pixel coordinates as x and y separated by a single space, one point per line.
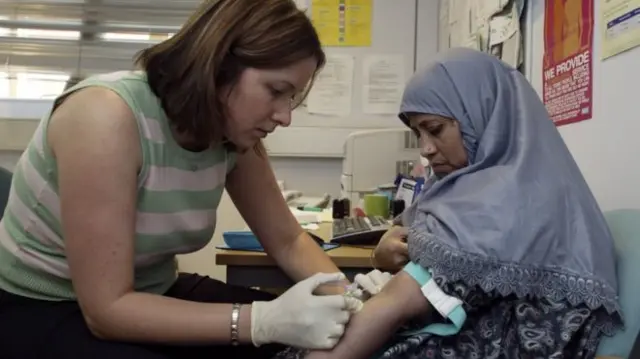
67 40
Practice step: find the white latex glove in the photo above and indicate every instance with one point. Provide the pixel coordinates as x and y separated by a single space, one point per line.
373 282
301 319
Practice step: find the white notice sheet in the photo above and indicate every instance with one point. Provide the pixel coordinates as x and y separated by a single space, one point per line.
333 87
383 81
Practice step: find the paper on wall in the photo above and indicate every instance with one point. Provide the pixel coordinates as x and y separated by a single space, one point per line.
444 12
459 22
621 31
458 10
463 22
384 80
480 24
342 22
503 27
488 8
443 26
456 37
472 42
332 90
511 50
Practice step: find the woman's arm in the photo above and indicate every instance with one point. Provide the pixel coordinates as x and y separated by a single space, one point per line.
399 301
254 190
94 138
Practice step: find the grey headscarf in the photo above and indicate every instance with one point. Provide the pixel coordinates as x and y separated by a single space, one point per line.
520 218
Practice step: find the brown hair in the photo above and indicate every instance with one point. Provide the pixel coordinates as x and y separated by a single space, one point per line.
219 41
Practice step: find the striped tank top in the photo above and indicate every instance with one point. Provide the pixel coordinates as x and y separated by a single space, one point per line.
178 194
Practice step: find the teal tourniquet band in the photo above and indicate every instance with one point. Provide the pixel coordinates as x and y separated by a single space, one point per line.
448 306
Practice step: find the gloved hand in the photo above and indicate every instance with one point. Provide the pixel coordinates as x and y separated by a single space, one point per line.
301 319
372 282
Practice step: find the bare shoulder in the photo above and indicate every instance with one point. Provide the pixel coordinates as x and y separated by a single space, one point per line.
94 117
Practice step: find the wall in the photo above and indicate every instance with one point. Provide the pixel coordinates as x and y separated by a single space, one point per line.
606 147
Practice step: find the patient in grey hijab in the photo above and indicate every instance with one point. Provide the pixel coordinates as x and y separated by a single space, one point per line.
507 226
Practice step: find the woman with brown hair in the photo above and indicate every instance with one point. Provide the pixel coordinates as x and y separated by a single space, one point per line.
127 171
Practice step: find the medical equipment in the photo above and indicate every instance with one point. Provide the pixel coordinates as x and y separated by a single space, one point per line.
352 291
375 157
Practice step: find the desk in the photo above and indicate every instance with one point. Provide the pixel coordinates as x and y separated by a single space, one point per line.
253 269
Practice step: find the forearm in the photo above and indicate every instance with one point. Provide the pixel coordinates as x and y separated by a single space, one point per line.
376 322
381 317
251 185
302 258
150 318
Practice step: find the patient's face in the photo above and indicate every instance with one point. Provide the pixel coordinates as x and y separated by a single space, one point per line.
440 142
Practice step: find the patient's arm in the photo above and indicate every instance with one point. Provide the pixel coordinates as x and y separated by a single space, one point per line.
368 330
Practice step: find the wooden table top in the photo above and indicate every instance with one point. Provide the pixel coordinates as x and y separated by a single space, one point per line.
345 256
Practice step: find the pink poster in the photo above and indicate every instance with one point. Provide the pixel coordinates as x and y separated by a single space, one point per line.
567 75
